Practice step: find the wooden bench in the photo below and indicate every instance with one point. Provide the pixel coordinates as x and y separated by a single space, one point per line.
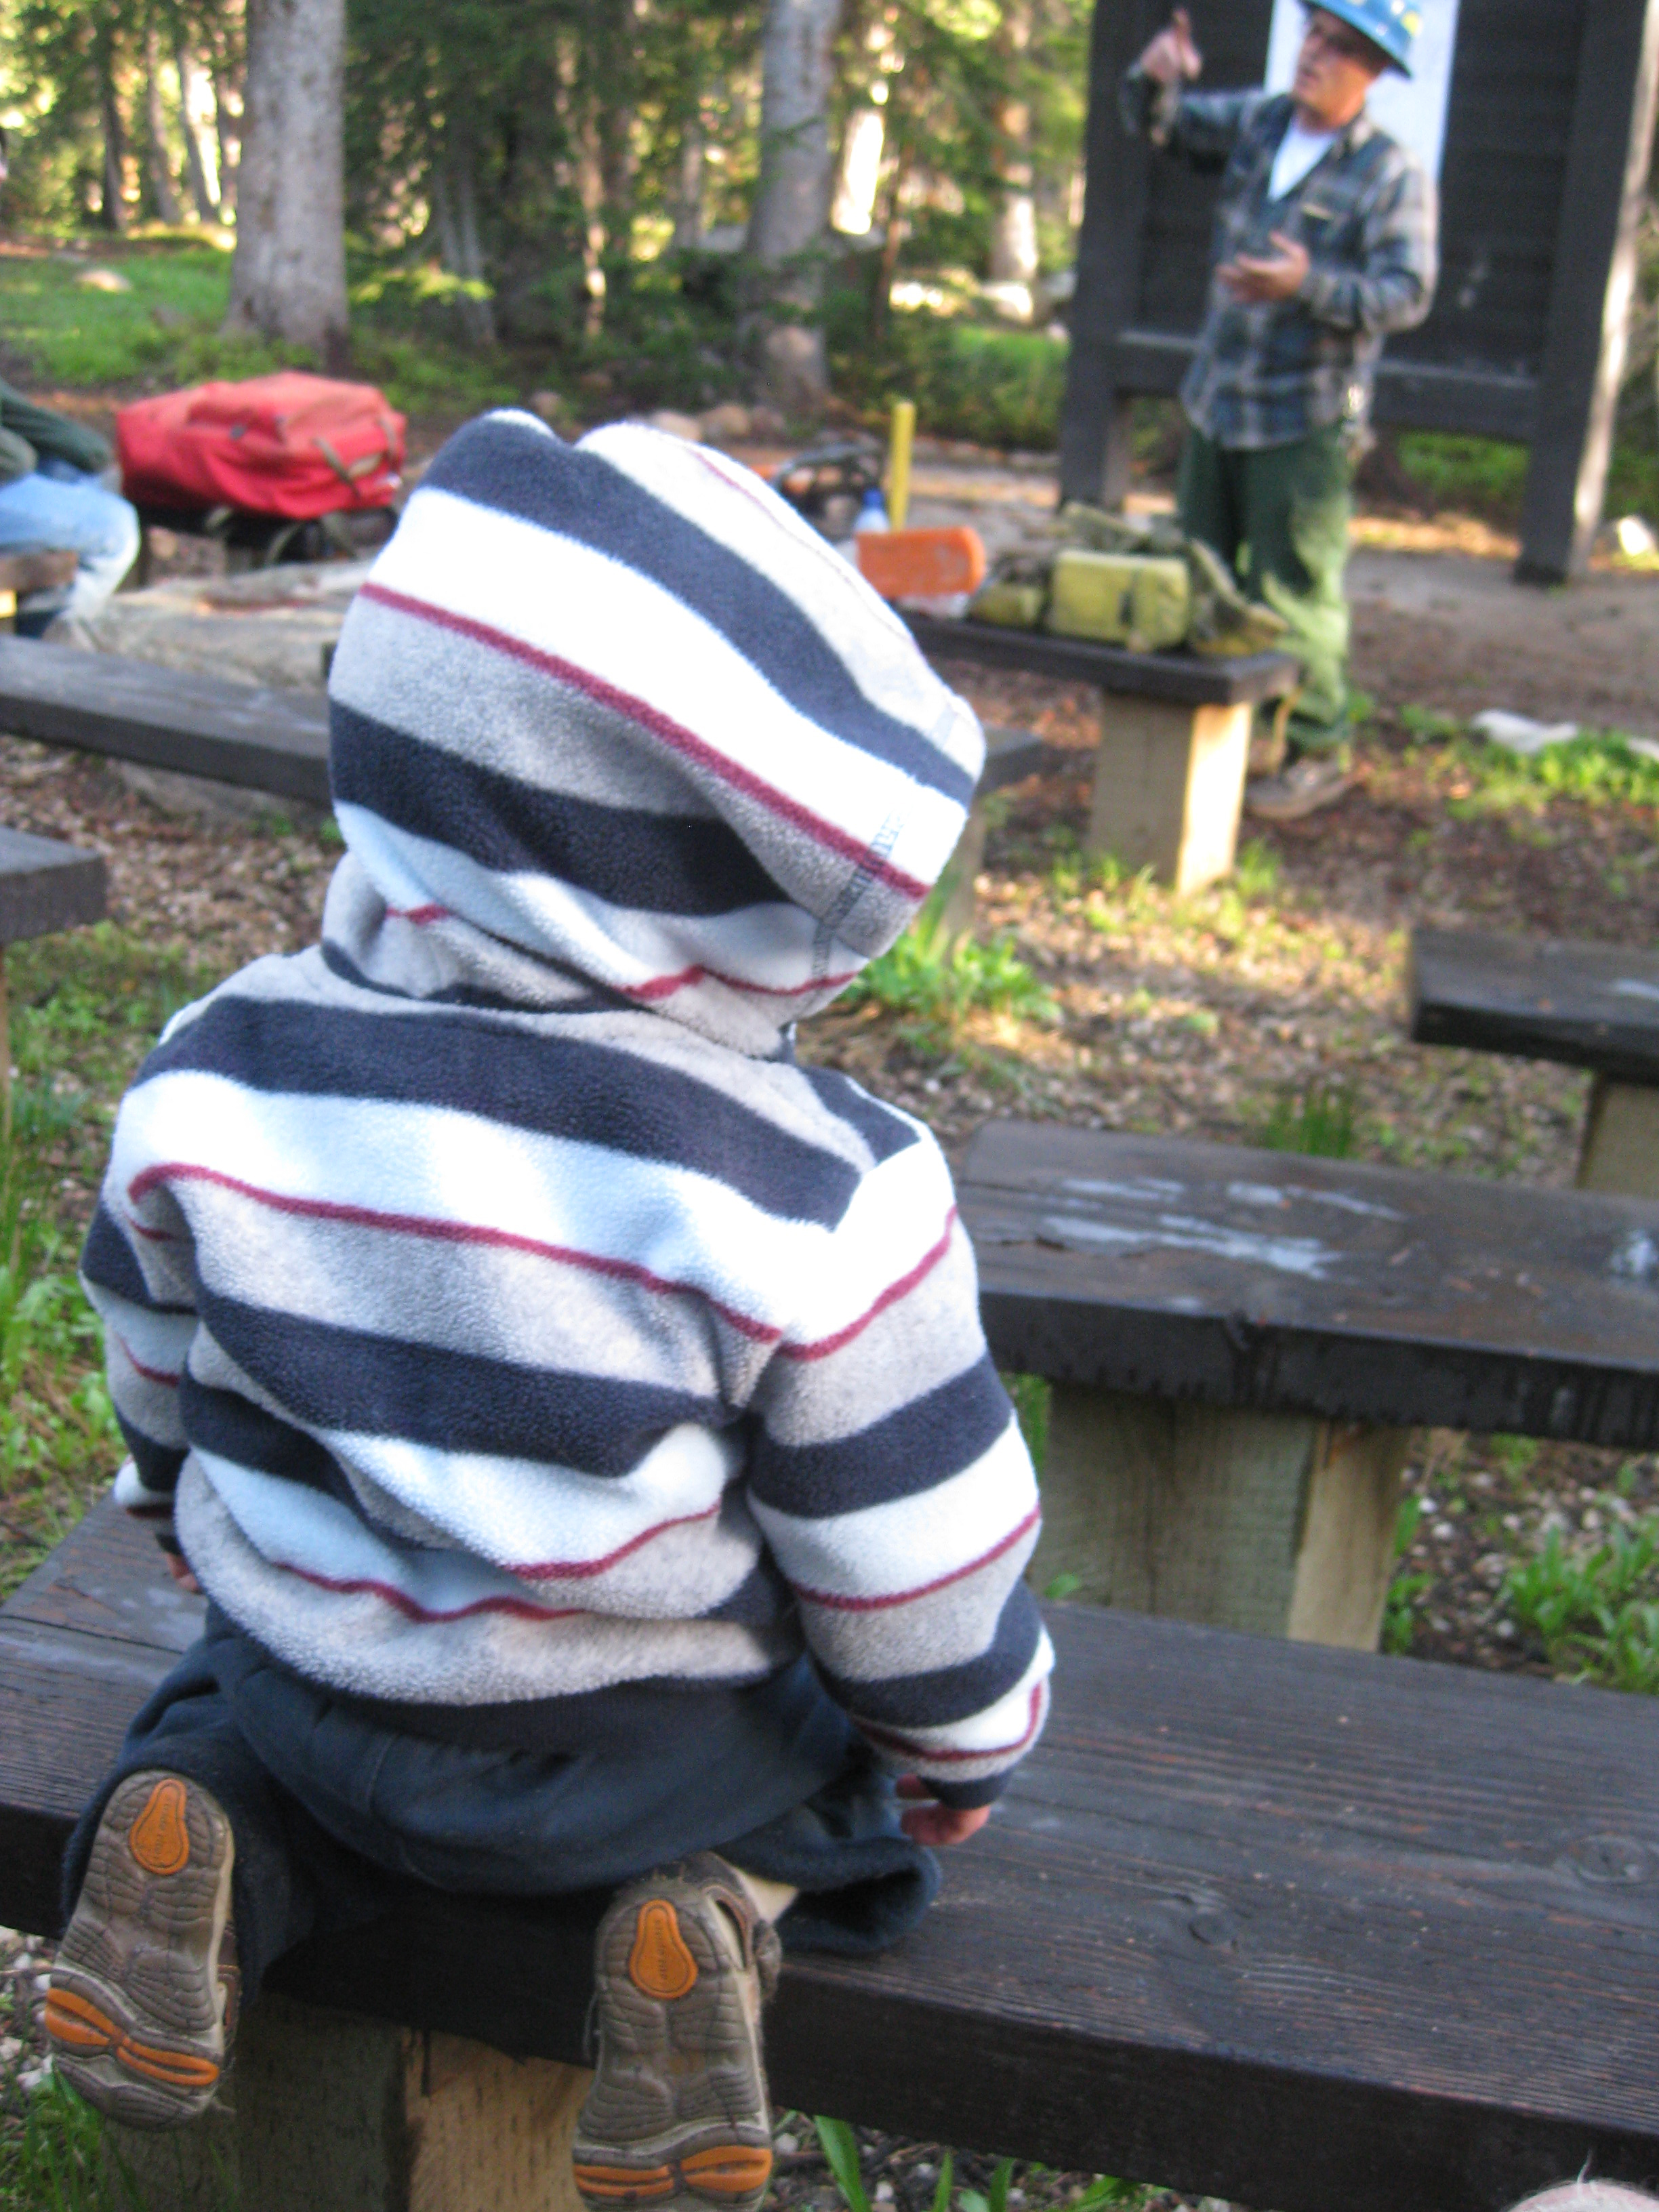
1590 1005
43 886
1175 737
1241 1342
1300 1928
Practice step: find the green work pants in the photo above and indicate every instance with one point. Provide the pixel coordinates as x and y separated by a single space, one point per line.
1279 516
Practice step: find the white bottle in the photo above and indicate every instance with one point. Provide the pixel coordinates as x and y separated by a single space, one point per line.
872 515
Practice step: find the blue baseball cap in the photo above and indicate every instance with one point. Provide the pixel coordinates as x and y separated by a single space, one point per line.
1392 25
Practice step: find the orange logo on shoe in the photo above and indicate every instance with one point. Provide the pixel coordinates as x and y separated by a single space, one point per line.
659 1963
158 1839
76 2025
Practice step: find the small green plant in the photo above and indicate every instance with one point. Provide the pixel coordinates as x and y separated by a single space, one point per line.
1256 873
840 2147
1032 1396
936 980
56 2160
1596 1612
995 2198
1321 1120
1399 1614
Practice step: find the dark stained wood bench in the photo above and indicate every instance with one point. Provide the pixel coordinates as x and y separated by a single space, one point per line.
1175 737
1242 1341
43 886
1301 1927
1590 1005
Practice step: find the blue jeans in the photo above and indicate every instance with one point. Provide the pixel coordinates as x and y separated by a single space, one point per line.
58 510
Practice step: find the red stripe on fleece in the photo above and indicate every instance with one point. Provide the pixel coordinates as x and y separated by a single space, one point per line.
890 1296
420 916
443 1232
674 734
664 987
908 1744
462 1232
575 1570
834 1603
517 1608
149 1374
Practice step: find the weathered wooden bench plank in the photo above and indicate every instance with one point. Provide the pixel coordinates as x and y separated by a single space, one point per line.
45 885
1591 1006
1303 1929
252 735
1287 1284
1175 738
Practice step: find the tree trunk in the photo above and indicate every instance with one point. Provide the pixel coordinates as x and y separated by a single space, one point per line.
226 129
1013 227
156 164
201 188
688 187
288 279
455 207
112 212
791 213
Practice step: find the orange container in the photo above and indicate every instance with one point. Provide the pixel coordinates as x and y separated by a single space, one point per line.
921 564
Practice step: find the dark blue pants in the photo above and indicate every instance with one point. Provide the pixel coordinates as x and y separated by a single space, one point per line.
336 1804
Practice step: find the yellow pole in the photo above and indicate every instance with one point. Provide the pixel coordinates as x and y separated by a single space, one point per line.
898 461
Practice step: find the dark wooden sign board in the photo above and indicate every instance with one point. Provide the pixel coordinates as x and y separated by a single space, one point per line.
1548 138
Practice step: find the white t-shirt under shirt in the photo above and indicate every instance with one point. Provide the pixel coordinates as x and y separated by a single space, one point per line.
1300 151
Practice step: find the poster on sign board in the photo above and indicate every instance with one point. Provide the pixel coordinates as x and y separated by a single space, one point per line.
1410 109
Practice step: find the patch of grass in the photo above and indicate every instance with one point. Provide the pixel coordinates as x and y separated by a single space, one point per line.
1399 1614
1256 873
1594 1613
1321 1120
86 1008
53 2157
999 387
1032 1398
933 981
1600 768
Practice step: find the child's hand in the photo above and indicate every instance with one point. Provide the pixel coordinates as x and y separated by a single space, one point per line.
930 1822
179 1568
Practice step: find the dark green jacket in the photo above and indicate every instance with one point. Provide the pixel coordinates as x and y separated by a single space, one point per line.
28 434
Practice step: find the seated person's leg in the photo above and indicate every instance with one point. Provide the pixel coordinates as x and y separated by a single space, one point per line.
56 510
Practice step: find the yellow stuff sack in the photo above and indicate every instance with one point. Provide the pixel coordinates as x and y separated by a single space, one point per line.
1143 601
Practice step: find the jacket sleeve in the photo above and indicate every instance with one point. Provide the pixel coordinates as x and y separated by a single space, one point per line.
136 1275
1389 285
1201 127
892 1484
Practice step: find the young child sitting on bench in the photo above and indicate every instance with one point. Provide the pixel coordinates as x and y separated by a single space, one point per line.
574 1410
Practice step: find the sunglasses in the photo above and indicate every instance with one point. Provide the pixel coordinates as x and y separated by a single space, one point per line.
1337 39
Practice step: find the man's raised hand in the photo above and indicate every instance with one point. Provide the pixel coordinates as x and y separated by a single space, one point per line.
1173 55
1256 280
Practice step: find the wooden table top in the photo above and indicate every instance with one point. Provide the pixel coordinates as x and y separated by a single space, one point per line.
1592 1006
1274 1281
1303 1928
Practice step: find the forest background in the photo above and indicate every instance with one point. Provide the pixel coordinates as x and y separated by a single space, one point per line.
617 205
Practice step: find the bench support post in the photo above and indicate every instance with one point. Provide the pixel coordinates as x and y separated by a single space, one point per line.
1280 1524
340 2114
1169 785
1620 1151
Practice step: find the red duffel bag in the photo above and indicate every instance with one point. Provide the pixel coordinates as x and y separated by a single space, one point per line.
289 445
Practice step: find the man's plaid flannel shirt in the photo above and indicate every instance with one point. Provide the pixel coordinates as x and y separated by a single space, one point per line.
1368 214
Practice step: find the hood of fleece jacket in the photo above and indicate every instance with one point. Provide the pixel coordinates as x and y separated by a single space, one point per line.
616 706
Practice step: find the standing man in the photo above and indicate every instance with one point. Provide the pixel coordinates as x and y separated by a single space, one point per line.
1325 242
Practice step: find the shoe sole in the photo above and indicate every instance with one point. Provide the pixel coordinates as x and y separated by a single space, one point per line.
678 2114
134 2012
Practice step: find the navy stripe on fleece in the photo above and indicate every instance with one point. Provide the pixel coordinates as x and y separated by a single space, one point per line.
108 1260
949 1693
922 1444
586 1092
655 863
880 1127
233 1428
522 472
158 1465
332 1378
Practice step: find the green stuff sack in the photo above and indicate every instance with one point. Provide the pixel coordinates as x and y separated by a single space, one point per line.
1134 600
1009 606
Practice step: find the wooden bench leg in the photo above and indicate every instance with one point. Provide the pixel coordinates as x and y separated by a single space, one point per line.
1621 1152
340 2114
1169 785
957 883
1278 1523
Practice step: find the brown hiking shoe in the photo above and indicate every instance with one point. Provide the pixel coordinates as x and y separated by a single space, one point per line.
141 2008
678 2115
1316 779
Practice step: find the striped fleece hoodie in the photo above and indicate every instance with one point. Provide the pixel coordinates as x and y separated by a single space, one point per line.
496 1309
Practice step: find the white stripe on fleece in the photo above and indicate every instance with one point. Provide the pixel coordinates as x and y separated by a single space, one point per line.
1000 1729
913 1189
566 600
768 949
882 1556
728 502
440 1170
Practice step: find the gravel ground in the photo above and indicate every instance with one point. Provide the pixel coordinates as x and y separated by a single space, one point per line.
1198 1016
